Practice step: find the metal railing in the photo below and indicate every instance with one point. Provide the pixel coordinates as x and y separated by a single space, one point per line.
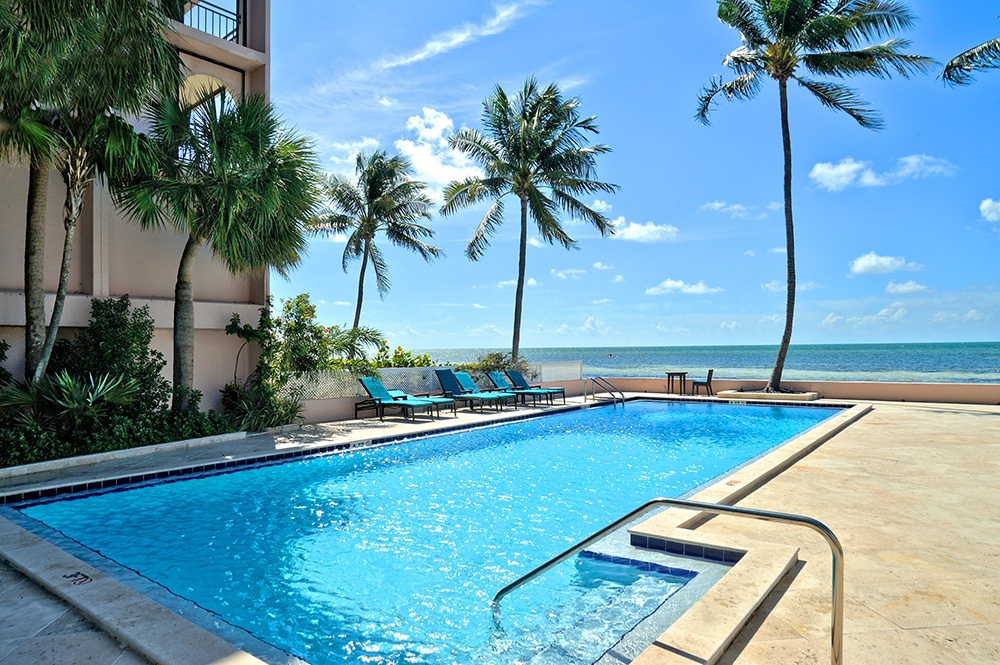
218 21
606 386
837 619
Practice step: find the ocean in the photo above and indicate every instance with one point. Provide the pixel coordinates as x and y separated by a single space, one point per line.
967 362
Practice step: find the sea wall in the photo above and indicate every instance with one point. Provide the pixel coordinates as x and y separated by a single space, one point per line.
948 393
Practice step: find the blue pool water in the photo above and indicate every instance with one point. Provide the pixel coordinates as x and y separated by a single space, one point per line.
392 555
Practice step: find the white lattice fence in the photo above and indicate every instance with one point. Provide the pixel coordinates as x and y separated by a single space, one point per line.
559 371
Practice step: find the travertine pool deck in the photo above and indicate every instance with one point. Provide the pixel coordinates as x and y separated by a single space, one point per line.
912 490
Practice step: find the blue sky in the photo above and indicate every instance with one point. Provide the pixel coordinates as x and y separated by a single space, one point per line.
897 231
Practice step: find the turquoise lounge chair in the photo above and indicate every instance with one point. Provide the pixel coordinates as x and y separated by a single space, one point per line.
380 399
469 385
438 401
521 384
502 385
452 388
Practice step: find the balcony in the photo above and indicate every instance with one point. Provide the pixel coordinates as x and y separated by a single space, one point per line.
223 22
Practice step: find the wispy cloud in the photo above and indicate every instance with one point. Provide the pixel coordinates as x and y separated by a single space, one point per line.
679 286
873 264
600 206
504 17
777 250
531 281
618 279
750 252
990 210
535 242
737 210
602 301
602 266
894 313
645 233
849 172
569 273
774 286
904 288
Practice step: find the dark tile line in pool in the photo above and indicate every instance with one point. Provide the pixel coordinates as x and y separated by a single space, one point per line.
641 565
686 549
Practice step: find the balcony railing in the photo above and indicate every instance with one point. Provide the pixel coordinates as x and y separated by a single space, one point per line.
223 23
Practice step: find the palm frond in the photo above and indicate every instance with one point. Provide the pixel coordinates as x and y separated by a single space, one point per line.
740 88
487 229
842 98
961 69
745 17
382 282
879 60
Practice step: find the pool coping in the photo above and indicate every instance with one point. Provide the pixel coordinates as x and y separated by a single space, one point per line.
136 620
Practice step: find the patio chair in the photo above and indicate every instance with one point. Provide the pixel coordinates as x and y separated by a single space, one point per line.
380 399
520 383
452 388
469 385
498 380
706 384
438 401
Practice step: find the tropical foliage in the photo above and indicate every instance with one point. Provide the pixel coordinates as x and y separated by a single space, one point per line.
492 362
793 40
385 199
231 177
535 149
73 71
961 69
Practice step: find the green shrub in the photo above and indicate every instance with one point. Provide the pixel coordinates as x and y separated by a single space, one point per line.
495 361
399 358
64 403
5 375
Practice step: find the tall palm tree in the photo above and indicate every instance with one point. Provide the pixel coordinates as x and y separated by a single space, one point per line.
781 38
95 63
535 148
960 69
386 199
230 176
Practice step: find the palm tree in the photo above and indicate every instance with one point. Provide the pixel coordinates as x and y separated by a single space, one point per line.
81 67
824 38
959 70
229 176
385 199
535 149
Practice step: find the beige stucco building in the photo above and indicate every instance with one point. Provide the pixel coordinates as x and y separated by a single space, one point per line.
227 42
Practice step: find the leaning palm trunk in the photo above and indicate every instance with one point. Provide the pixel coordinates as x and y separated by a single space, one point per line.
184 326
774 383
515 345
361 285
34 263
78 176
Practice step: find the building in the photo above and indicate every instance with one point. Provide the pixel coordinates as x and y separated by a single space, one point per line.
220 45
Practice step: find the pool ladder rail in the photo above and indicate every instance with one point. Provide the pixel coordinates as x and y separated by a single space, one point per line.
606 386
837 617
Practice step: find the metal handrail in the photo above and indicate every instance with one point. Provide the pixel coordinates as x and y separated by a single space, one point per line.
837 620
215 20
607 387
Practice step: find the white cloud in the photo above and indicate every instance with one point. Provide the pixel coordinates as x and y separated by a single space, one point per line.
873 264
732 325
531 282
775 205
777 250
894 313
770 320
600 206
647 233
849 172
774 286
955 317
476 305
387 101
485 329
350 150
904 288
808 286
602 266
569 273
990 210
618 279
340 303
602 301
504 17
434 161
831 320
679 286
749 252
737 210
595 325
535 242
513 282
335 238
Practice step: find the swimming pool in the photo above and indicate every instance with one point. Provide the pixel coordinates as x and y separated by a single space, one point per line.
391 555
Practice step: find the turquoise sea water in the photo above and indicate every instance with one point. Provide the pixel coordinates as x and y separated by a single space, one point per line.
392 555
972 362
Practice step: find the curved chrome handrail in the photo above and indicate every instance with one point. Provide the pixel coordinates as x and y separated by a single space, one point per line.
608 387
837 619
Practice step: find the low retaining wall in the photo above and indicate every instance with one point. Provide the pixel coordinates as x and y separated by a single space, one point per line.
948 393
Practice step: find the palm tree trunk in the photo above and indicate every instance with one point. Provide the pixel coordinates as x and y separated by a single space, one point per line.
184 326
34 263
77 179
774 383
361 284
519 294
